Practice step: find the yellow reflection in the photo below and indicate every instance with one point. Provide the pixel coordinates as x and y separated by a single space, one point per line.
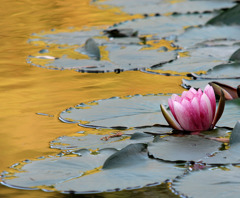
26 90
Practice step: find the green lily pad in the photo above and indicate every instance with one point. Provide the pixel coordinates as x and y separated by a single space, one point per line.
98 141
215 183
199 59
50 171
173 25
155 6
195 36
229 17
183 148
118 112
201 83
121 57
129 168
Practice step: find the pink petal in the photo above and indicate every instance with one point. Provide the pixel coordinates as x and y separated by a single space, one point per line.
195 103
170 103
191 114
206 112
211 95
194 91
181 112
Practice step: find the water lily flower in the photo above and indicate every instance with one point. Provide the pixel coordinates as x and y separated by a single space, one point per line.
194 110
230 93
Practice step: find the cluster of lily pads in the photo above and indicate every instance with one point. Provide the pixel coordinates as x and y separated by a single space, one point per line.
132 143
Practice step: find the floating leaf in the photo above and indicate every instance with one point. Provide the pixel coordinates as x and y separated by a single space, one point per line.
97 141
199 59
50 171
183 148
126 113
129 57
201 83
155 6
195 36
129 168
173 25
215 183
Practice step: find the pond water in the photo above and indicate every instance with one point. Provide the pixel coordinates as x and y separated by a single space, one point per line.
32 98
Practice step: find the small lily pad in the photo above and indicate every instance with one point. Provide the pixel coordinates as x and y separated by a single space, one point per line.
215 183
183 148
118 112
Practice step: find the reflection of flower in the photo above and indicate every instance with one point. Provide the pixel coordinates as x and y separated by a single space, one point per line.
229 92
194 110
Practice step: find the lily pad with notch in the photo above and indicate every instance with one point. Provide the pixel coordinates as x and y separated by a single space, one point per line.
129 168
94 142
172 25
125 113
199 59
49 171
119 57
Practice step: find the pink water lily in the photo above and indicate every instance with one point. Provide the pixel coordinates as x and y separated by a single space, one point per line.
194 110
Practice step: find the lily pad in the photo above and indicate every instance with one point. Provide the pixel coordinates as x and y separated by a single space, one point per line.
230 156
172 25
155 6
118 112
201 83
49 171
97 141
231 70
215 183
229 17
123 58
117 57
195 36
199 59
183 148
129 168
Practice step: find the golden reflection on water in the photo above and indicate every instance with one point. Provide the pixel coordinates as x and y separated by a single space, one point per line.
27 90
